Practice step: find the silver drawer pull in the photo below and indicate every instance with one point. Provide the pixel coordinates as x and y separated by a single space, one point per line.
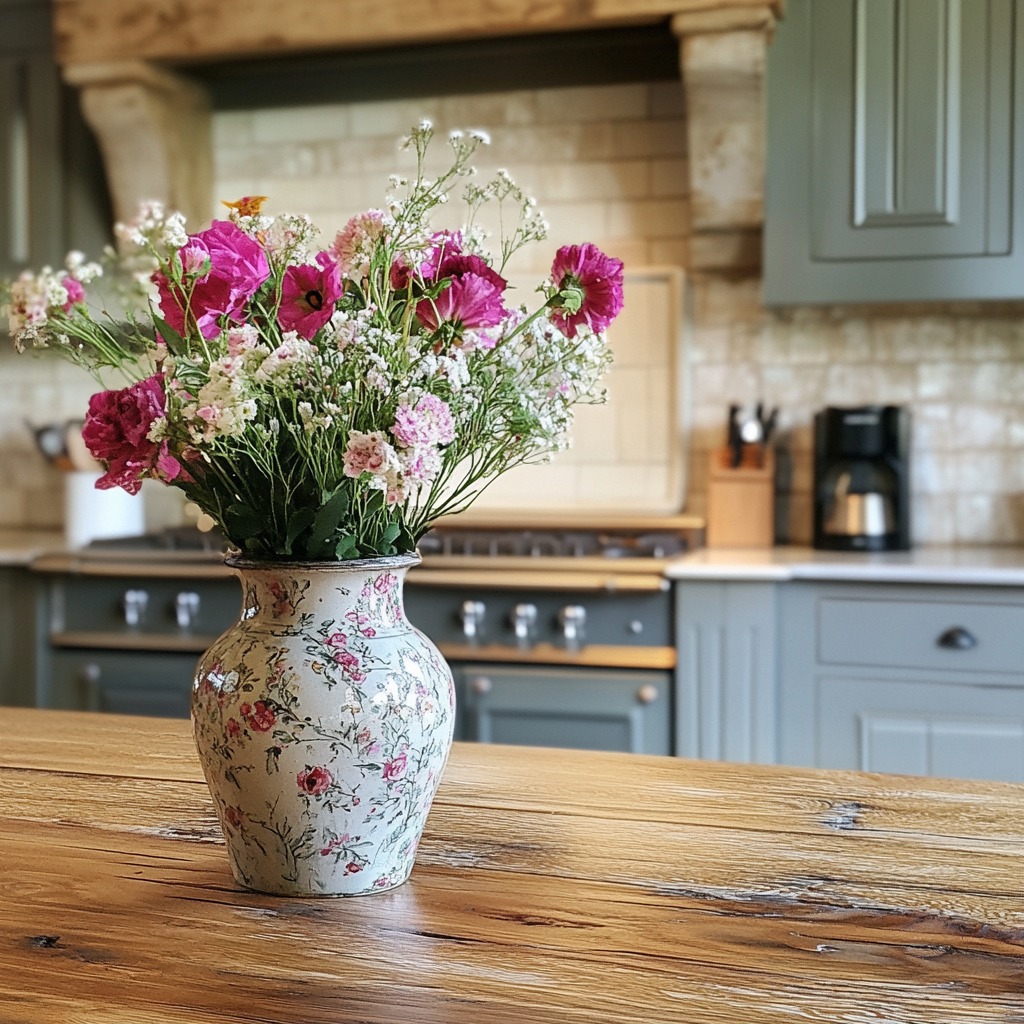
135 602
481 685
956 638
186 608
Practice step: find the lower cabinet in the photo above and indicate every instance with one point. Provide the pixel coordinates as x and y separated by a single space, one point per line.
585 708
121 682
925 680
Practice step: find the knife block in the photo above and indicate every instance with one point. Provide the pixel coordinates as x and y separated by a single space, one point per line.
741 499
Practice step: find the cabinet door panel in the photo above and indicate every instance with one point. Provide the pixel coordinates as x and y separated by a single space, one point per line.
592 709
925 728
120 682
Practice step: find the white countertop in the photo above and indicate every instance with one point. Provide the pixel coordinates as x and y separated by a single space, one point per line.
986 566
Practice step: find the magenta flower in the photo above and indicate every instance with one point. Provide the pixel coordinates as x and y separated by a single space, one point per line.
590 288
469 301
309 294
428 422
76 293
117 430
314 781
238 267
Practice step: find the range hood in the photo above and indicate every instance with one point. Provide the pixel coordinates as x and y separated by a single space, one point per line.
153 122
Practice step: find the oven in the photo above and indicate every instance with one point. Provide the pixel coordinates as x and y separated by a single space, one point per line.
556 637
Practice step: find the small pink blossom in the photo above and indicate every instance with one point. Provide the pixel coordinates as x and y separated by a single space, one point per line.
76 293
354 244
367 453
429 421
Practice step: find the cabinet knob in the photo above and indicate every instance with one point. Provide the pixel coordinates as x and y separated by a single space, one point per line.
134 602
647 694
481 685
956 638
572 618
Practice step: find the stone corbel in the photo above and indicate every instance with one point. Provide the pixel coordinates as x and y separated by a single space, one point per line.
722 57
153 129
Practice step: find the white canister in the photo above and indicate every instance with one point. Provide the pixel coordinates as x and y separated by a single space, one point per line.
92 514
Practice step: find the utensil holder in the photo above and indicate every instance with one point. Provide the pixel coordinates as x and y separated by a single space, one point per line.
741 499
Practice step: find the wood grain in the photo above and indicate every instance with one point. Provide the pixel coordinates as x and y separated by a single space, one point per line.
194 30
550 886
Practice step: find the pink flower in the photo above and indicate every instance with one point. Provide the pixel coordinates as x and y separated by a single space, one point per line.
117 429
260 717
238 267
428 422
314 781
76 293
308 296
395 767
354 244
590 286
366 453
469 301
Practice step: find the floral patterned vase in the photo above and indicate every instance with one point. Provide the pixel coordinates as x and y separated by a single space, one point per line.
323 720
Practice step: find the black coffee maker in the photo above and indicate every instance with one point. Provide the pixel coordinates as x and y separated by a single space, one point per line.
862 478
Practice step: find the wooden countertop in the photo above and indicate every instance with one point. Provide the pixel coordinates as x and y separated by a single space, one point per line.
558 886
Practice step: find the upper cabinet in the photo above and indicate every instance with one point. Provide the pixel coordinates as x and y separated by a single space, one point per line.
52 192
895 152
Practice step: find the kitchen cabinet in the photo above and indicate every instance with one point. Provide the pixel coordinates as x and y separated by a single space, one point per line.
726 675
52 192
926 680
895 152
585 708
19 608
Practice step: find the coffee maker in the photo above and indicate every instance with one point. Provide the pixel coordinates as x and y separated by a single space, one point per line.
862 478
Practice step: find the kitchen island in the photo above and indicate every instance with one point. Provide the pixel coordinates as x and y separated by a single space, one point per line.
550 885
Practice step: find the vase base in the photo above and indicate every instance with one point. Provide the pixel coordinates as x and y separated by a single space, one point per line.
304 892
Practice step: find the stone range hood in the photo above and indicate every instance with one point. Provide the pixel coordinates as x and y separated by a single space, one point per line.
153 122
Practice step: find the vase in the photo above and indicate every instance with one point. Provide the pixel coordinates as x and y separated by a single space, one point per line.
323 721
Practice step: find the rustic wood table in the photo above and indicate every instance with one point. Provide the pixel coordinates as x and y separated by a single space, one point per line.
551 886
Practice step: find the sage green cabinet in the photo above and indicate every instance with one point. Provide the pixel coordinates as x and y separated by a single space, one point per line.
925 680
53 196
20 613
895 152
549 706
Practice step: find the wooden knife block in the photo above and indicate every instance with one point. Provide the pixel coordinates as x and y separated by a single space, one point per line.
741 500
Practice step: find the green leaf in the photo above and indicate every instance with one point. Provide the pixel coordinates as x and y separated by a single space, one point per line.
298 523
327 521
346 547
174 341
242 522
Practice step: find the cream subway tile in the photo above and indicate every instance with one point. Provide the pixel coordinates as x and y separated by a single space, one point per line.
989 338
982 424
622 179
797 386
934 472
651 218
594 435
649 138
989 519
860 384
391 118
913 340
230 129
591 103
489 112
726 383
670 252
669 177
541 486
293 125
622 486
577 220
933 519
665 99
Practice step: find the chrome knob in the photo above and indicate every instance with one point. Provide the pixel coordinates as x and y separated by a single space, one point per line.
572 618
481 685
186 608
135 602
524 618
472 615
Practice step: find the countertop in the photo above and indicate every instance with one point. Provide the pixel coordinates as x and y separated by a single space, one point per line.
550 886
987 566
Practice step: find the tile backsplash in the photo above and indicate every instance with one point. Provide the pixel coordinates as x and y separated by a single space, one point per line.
607 164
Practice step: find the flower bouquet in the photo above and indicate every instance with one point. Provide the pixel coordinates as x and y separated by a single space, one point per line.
332 403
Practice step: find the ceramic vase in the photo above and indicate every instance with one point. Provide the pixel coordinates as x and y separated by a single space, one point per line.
323 721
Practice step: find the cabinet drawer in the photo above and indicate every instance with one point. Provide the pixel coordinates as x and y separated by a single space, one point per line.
947 635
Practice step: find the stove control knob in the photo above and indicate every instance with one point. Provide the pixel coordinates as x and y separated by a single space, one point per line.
186 608
636 627
472 615
524 618
481 685
135 602
571 618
